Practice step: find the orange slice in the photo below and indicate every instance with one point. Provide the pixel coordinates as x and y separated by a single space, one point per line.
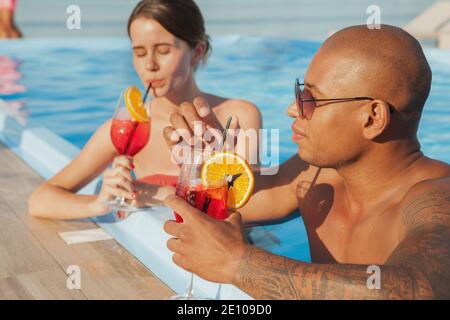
133 102
233 168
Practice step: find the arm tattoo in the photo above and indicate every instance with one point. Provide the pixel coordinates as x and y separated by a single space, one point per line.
426 249
430 208
266 276
419 268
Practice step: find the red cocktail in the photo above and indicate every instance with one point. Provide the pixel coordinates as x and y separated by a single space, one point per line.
129 136
129 132
212 200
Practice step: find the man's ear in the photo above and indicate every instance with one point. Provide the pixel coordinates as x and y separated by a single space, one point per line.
376 117
199 53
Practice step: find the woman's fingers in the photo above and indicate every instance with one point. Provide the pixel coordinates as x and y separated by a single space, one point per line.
171 136
113 192
123 161
204 113
179 123
197 125
118 172
120 182
123 172
192 118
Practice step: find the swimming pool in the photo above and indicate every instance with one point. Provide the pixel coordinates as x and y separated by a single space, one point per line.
71 86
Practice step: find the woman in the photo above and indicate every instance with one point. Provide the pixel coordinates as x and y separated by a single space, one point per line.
169 43
8 28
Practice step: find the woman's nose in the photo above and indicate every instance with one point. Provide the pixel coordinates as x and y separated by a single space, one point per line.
151 64
292 111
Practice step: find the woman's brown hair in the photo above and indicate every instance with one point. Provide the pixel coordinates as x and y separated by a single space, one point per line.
182 18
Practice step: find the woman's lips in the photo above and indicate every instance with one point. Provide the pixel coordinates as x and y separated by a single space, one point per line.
156 83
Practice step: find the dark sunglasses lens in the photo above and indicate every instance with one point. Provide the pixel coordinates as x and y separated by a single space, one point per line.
298 99
308 109
308 106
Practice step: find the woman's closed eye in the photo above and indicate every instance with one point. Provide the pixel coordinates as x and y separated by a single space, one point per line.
140 52
163 49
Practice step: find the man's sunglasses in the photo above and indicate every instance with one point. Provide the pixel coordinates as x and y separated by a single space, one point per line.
307 106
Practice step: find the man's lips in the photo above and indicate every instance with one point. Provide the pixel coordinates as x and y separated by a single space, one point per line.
297 131
298 135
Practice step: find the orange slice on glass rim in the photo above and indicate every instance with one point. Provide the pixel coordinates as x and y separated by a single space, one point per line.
236 171
134 104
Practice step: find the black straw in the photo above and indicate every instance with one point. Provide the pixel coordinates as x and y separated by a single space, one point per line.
146 93
134 130
224 134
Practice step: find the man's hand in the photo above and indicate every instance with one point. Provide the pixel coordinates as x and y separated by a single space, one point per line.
196 124
207 247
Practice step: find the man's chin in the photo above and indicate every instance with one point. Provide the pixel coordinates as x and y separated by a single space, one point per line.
309 158
302 155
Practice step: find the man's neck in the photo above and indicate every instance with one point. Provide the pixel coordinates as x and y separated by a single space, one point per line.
379 173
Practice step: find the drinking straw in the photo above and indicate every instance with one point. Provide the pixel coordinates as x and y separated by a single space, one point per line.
146 93
134 130
224 134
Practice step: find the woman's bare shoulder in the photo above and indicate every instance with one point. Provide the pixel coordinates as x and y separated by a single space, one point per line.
218 102
239 107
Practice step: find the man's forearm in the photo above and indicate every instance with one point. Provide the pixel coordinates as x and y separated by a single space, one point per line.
265 204
263 275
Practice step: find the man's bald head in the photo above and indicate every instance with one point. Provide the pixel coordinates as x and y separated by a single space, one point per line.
388 64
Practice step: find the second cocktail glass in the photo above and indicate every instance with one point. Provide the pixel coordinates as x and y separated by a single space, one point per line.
210 199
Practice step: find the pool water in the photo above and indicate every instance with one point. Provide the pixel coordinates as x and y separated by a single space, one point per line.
72 85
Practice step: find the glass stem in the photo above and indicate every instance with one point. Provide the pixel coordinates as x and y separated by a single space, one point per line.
190 289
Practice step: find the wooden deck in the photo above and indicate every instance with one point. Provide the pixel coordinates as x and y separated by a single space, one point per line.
33 258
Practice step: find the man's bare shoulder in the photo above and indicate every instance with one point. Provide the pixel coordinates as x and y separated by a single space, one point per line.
435 178
424 250
427 203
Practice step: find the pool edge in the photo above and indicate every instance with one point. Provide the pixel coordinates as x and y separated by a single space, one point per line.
29 143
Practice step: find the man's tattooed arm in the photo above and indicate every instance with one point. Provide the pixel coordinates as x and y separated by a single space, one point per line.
419 268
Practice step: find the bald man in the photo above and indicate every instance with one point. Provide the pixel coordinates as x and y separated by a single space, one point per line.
367 194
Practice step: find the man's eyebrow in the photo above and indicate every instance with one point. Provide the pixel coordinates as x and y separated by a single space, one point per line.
313 87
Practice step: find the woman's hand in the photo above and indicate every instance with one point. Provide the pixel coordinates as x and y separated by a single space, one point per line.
117 182
196 125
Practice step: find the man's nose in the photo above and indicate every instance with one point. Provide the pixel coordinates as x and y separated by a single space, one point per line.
292 111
